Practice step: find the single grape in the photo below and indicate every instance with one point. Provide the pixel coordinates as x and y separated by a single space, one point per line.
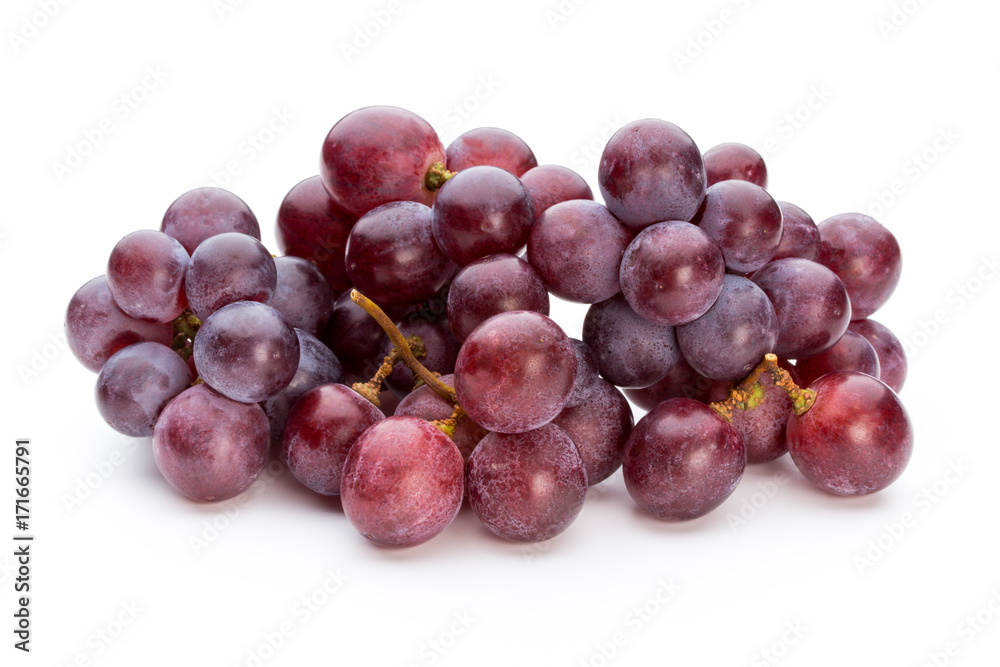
587 372
735 161
891 356
312 226
734 335
247 352
527 487
682 460
321 428
551 184
378 155
492 285
681 382
651 171
228 268
631 351
209 447
851 353
204 212
811 303
482 211
672 273
392 257
402 482
96 327
599 427
515 372
146 276
136 383
427 404
856 439
301 294
354 337
577 247
865 256
317 366
744 221
491 147
440 351
799 234
763 427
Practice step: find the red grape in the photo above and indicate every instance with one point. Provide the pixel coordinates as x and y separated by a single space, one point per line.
204 212
492 285
136 383
799 234
492 147
851 353
681 382
550 184
228 268
301 294
865 256
427 404
599 427
763 427
146 276
744 221
891 356
587 372
734 161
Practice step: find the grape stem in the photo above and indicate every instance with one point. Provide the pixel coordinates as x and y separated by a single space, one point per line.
185 328
373 387
403 348
448 426
748 394
436 176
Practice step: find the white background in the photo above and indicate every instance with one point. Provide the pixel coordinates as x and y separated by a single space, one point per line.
865 97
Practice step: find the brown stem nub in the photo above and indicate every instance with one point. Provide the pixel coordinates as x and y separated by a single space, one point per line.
373 387
748 394
449 425
403 347
436 176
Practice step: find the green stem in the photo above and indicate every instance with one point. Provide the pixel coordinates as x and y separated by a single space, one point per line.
748 394
436 176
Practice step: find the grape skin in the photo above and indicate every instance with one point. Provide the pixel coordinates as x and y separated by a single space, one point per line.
865 256
734 161
576 247
599 426
799 234
527 487
228 268
402 482
682 460
428 405
204 212
301 294
247 352
492 147
851 353
492 285
312 226
631 351
146 273
681 382
587 372
744 221
96 327
321 428
136 383
210 447
515 372
354 336
891 356
551 184
857 437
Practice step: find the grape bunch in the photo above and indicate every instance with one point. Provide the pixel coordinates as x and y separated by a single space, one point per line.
400 354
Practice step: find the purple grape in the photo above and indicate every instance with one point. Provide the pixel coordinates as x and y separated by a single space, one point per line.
378 155
491 147
631 351
136 383
527 487
576 247
402 482
856 439
763 427
551 184
744 221
811 303
427 404
482 211
492 285
587 373
672 273
891 356
734 335
321 428
682 460
599 427
301 294
392 257
354 336
96 327
799 234
651 171
851 353
734 161
681 382
312 226
247 352
317 366
441 351
228 268
146 276
515 372
204 212
865 256
210 447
